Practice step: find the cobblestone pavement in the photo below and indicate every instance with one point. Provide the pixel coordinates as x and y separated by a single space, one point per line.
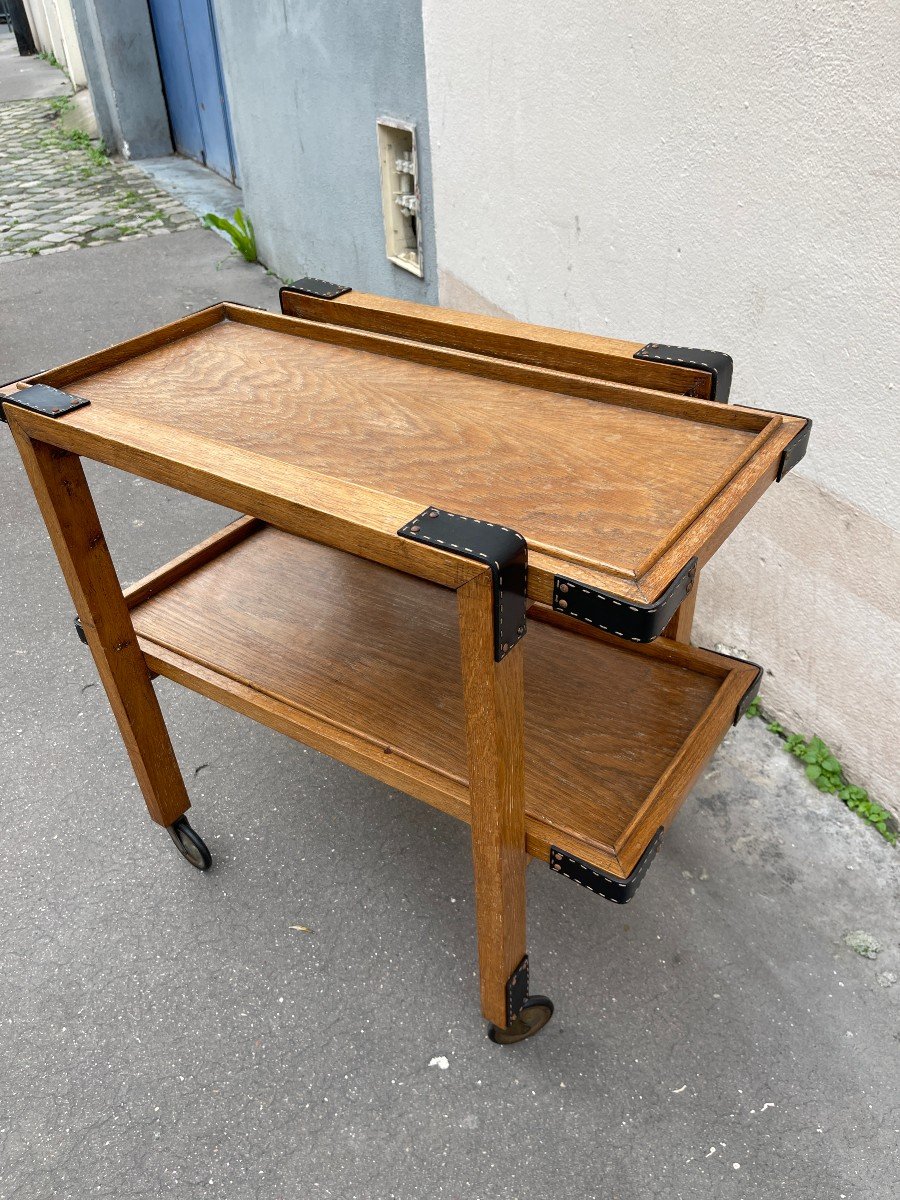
58 192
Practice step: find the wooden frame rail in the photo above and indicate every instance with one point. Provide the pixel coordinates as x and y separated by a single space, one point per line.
585 354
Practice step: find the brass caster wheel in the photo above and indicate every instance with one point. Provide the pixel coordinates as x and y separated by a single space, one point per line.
534 1015
190 844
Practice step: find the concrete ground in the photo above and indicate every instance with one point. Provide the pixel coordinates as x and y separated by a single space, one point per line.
88 300
27 78
197 188
302 1021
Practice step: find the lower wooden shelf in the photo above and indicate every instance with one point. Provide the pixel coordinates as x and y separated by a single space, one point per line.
363 662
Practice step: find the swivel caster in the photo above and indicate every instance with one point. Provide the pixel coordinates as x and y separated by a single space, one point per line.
534 1015
190 844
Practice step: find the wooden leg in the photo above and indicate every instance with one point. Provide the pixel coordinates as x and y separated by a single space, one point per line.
68 510
495 727
679 628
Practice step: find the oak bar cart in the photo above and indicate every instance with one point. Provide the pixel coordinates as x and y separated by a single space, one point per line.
486 524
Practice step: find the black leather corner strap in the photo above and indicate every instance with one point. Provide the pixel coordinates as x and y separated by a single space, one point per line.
47 401
636 622
794 450
516 991
720 366
320 288
620 891
504 550
751 693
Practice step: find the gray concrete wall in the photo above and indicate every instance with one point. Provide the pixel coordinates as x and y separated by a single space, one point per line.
306 83
119 52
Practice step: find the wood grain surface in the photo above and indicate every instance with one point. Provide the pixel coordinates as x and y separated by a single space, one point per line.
73 525
590 464
501 337
493 697
374 655
597 479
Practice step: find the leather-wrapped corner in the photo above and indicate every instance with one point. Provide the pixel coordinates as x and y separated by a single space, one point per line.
720 366
619 891
517 990
623 618
500 548
794 451
48 401
319 289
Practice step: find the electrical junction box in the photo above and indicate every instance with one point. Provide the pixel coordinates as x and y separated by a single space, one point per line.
400 203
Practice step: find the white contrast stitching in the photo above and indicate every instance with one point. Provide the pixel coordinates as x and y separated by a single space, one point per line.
602 598
408 527
582 866
685 362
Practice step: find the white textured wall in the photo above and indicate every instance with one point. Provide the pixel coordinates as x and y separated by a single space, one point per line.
53 27
71 48
37 19
726 175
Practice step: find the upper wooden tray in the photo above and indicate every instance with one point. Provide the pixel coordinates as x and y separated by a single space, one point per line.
614 484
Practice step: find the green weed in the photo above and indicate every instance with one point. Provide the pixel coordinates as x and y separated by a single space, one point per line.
96 151
825 771
57 138
240 232
49 57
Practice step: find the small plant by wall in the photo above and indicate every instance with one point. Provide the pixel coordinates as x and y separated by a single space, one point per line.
49 57
59 138
825 771
239 231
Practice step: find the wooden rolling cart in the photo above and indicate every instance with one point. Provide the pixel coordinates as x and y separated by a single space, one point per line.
422 487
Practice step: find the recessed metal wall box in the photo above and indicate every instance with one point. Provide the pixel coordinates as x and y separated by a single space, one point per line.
400 200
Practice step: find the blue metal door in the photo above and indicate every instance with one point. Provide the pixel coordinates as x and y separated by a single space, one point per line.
191 71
